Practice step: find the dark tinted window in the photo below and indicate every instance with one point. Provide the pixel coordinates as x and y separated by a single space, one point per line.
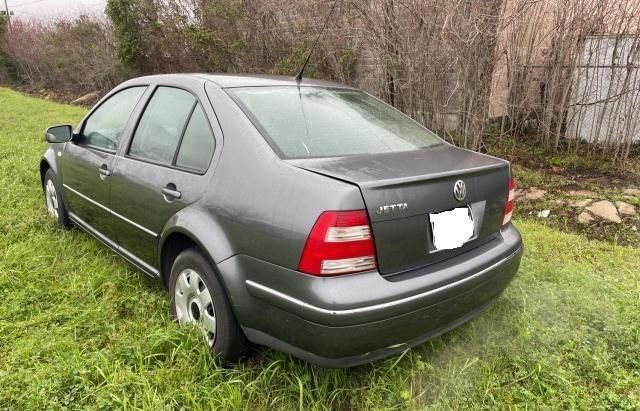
321 122
162 124
105 125
197 144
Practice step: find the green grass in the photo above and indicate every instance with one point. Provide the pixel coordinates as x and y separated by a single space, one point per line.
81 328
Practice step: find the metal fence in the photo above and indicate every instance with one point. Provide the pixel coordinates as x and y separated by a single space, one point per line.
606 91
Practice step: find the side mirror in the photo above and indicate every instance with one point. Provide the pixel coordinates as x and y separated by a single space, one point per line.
59 134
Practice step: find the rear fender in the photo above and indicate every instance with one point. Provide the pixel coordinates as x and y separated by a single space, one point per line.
203 228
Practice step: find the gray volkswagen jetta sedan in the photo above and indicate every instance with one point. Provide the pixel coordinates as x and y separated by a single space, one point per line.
305 216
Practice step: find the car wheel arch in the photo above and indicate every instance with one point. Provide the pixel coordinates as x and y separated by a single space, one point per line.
48 162
175 242
172 245
44 166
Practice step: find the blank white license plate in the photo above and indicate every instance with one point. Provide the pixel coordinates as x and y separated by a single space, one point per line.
451 229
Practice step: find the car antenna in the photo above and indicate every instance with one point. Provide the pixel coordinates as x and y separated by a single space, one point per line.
299 75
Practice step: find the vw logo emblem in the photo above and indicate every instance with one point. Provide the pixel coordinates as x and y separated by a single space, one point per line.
459 190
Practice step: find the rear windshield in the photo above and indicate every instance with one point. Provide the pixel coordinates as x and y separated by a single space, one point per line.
304 122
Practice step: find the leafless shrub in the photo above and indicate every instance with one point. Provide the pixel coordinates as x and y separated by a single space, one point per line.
559 64
452 65
66 54
431 59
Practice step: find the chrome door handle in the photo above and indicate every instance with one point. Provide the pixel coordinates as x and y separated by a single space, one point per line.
168 192
104 171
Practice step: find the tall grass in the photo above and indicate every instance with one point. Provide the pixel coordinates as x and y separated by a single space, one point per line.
80 328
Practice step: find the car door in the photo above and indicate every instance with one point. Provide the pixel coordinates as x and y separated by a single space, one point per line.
163 169
89 158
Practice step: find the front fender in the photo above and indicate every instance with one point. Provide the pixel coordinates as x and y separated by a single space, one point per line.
49 160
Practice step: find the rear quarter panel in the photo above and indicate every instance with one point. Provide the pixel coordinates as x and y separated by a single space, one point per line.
256 204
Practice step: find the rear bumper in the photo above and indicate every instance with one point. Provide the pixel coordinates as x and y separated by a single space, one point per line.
353 319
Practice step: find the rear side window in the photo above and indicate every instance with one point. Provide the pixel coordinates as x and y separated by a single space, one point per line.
197 146
105 125
162 124
324 122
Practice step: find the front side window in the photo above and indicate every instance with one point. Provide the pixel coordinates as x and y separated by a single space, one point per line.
323 122
103 129
162 124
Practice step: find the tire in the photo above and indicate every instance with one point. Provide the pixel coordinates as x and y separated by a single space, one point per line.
192 278
53 200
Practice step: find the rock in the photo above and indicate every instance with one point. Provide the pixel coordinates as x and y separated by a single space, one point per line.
585 218
87 98
634 228
519 193
544 213
632 191
605 210
534 194
581 203
583 193
625 208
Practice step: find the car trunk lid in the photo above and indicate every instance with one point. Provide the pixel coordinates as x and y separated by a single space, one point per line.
401 189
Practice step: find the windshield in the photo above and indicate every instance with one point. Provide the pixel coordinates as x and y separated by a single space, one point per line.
304 122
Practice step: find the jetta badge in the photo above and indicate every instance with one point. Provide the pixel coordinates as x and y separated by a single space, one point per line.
459 190
391 208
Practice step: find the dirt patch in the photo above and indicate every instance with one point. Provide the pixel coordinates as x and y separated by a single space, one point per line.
573 182
60 96
603 208
586 164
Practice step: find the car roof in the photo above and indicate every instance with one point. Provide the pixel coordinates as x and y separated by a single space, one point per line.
247 80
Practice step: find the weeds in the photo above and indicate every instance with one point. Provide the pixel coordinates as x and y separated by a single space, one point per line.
82 329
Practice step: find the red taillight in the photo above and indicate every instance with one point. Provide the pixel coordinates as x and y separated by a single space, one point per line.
340 242
508 208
